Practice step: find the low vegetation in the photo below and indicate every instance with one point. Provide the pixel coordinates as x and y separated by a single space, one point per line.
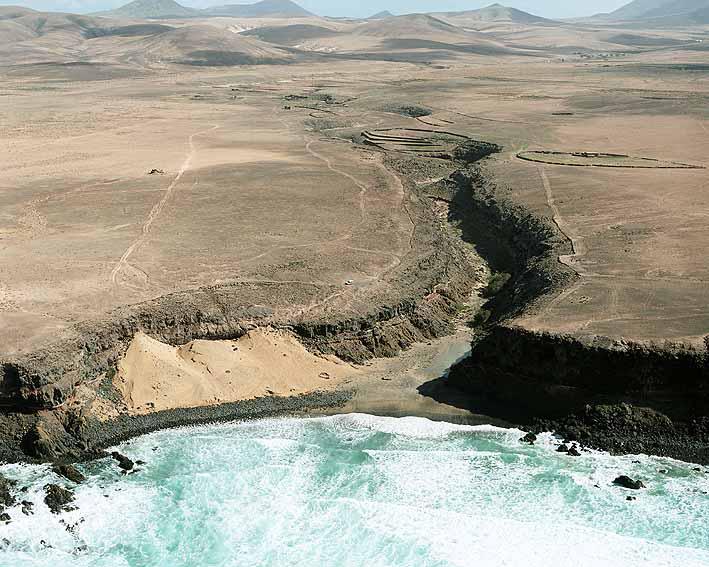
498 280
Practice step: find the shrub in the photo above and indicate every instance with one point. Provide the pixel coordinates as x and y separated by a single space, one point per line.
481 318
498 280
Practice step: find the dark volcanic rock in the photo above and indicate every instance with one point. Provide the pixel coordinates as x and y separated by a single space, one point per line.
562 449
49 441
69 472
7 498
58 498
573 451
530 438
623 428
123 462
627 482
474 150
4 517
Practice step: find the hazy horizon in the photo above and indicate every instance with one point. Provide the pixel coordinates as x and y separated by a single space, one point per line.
546 8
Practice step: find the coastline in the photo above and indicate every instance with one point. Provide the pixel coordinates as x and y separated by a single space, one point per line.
431 288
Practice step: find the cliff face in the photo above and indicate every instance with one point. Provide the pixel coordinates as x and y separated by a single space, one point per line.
511 239
536 375
558 382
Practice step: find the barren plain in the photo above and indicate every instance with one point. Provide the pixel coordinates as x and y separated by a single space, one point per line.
306 183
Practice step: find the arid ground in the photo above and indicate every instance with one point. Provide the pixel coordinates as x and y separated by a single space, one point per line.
138 166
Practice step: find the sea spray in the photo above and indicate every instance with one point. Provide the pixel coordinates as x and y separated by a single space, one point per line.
354 490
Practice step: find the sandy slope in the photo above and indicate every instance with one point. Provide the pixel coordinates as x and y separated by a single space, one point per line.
157 376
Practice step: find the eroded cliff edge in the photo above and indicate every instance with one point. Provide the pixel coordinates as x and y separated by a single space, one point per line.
610 393
613 394
54 401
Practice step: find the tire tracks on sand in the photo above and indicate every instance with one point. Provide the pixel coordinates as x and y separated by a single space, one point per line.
157 208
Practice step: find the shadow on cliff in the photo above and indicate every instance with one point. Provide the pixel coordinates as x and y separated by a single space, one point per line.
497 412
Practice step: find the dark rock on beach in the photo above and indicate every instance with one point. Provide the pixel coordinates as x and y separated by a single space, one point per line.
530 438
123 462
7 497
562 448
49 441
627 482
623 429
573 451
57 498
69 472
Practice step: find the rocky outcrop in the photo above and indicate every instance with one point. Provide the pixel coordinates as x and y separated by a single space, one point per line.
623 428
124 463
69 472
567 383
58 499
546 375
7 496
472 151
627 482
49 440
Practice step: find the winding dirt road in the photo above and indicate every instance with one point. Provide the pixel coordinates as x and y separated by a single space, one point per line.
157 209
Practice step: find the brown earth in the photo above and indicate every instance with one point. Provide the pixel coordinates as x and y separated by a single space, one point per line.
271 209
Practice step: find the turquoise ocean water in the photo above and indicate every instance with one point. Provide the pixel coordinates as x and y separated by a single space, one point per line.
357 490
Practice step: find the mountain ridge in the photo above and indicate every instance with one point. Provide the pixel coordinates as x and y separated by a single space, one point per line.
674 12
156 9
498 13
151 9
264 8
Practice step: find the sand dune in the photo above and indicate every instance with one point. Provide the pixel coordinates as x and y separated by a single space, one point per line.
157 376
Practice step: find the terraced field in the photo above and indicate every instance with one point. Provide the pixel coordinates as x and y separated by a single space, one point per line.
428 143
599 159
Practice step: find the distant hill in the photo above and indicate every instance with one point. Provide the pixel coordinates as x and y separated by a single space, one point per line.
263 9
675 12
25 36
205 45
157 9
636 9
423 34
13 12
151 9
381 15
497 13
412 25
20 23
290 35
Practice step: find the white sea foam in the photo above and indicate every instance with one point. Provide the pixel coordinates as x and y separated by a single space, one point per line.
359 490
417 427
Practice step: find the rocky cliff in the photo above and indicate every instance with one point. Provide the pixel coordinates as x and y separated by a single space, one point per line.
546 380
